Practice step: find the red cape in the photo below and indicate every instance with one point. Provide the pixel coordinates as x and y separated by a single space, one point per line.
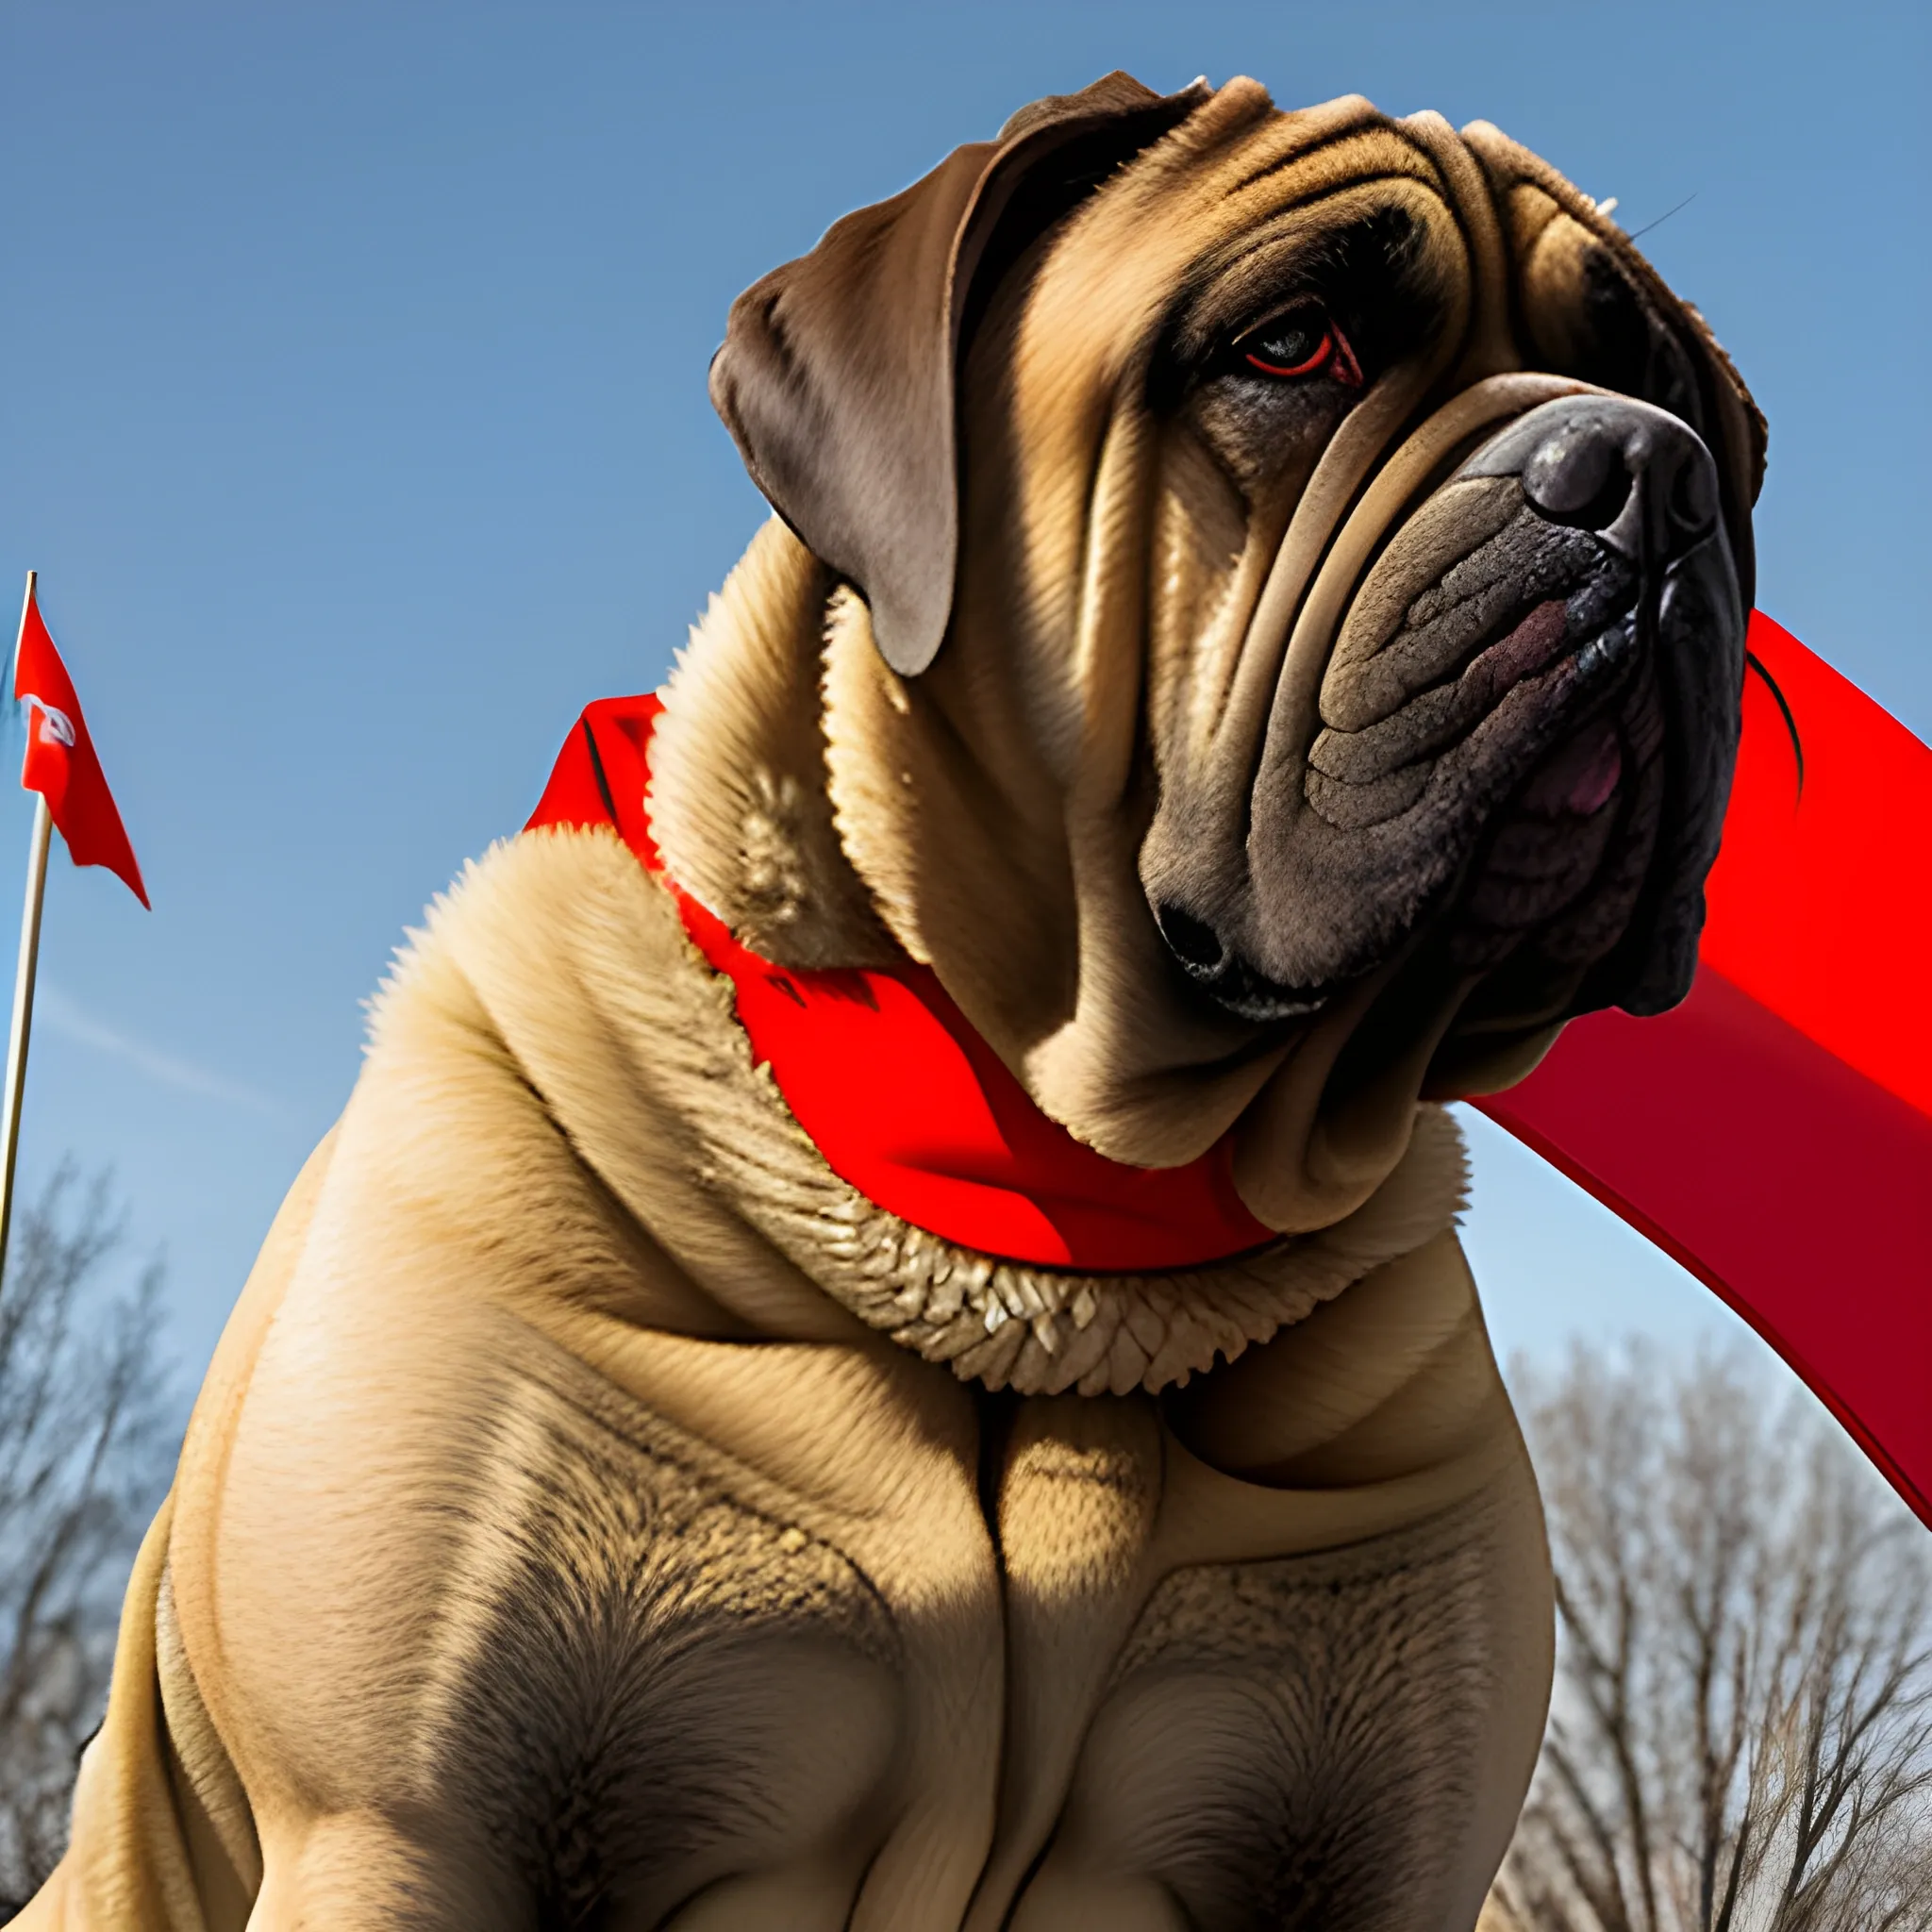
1773 1133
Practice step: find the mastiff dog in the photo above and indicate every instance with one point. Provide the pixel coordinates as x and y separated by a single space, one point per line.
1250 644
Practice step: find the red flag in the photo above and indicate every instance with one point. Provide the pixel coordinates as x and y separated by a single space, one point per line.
1774 1132
62 764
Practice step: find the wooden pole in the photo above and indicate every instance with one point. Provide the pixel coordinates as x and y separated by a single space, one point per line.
22 988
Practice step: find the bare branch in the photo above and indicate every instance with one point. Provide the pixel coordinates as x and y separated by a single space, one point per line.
1742 1738
84 1452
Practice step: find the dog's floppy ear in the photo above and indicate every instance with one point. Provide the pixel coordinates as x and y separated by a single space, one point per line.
836 374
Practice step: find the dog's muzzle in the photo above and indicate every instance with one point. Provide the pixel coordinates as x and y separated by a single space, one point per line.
1523 741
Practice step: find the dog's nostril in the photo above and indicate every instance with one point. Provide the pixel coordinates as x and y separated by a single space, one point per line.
1693 495
1191 940
1579 476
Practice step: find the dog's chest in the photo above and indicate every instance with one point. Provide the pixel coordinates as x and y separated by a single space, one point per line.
674 1708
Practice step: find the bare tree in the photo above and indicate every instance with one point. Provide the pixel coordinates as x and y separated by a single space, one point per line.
84 1442
1742 1735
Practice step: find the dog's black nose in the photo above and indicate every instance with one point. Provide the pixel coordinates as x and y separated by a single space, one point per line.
1638 476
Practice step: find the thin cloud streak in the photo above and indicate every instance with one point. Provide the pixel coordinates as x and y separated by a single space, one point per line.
54 1010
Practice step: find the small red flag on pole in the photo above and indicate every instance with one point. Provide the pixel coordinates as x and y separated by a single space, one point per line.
63 768
62 764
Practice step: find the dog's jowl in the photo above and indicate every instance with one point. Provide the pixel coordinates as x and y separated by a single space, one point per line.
881 1341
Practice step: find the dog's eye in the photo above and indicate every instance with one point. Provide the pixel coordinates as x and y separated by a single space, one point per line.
1301 343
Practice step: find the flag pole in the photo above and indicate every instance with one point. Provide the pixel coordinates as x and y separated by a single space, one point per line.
23 986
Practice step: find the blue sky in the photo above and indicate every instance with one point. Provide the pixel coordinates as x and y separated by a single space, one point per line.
354 413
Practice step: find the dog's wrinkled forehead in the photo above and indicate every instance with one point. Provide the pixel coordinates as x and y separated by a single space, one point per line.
839 374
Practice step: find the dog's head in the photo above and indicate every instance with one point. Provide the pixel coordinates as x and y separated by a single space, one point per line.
1301 562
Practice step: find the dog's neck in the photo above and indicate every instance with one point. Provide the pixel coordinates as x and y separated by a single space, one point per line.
741 807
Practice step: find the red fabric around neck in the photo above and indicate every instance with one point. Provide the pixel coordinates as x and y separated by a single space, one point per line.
900 1094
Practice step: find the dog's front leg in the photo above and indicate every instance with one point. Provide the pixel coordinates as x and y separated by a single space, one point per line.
1330 1709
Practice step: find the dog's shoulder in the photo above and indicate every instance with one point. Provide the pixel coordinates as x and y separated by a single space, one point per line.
557 1072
